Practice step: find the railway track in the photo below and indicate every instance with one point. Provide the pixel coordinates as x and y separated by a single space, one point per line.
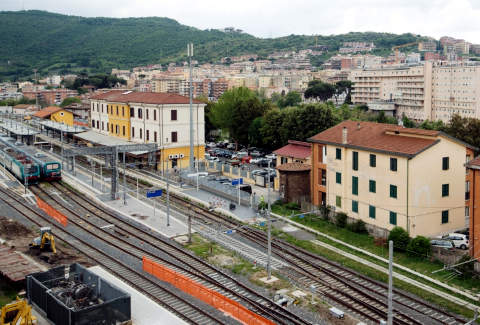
165 296
149 244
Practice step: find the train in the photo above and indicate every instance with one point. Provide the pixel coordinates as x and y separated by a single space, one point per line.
28 164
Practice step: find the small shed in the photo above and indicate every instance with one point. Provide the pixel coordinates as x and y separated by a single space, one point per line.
294 183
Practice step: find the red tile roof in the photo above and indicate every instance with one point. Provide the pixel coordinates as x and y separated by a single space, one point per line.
15 266
295 149
474 163
123 96
379 137
47 111
294 167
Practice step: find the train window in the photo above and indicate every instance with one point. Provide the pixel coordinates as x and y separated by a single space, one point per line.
53 166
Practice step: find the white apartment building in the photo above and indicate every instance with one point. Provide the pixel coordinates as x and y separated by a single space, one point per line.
433 91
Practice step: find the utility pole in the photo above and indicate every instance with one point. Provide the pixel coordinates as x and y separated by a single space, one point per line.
269 226
189 224
61 144
239 176
390 283
36 95
93 170
168 199
190 54
125 186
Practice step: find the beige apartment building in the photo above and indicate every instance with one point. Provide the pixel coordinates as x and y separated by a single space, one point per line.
388 176
433 91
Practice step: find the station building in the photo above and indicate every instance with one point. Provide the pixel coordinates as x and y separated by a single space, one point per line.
161 118
388 175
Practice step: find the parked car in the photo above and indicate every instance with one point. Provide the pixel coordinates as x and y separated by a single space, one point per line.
258 172
265 163
447 244
271 156
255 153
239 154
255 160
231 146
222 179
246 159
213 159
459 240
234 162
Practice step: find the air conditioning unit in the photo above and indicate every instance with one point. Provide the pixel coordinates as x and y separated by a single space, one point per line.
175 156
170 156
181 155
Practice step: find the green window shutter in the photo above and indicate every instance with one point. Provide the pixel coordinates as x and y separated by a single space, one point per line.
338 177
393 164
338 153
445 190
445 163
373 161
393 191
355 206
355 185
371 211
393 218
338 201
445 216
372 186
355 161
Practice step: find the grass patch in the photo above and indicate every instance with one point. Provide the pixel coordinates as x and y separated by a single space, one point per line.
8 291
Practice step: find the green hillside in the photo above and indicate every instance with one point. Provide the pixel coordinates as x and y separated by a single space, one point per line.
58 43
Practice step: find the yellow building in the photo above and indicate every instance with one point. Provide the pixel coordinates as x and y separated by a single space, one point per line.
119 120
388 176
56 114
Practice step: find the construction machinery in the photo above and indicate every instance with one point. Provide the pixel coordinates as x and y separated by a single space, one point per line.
397 52
18 312
45 241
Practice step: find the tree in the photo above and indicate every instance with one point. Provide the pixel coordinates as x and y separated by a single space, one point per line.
400 238
344 86
70 100
235 111
319 90
408 123
419 247
293 98
255 138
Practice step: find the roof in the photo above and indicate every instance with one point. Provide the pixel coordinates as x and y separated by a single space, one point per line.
23 106
474 163
295 149
380 137
123 96
47 111
294 167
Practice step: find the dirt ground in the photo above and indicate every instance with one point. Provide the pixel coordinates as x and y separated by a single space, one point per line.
19 236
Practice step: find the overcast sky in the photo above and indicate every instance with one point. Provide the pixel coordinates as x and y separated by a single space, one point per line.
272 18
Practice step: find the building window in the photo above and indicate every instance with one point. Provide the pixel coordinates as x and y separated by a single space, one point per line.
373 160
173 115
393 218
355 185
98 124
354 206
445 163
116 129
132 112
93 123
155 136
133 132
107 127
147 134
139 113
467 211
123 111
323 174
393 191
174 137
372 186
154 114
371 211
146 114
338 201
445 190
102 108
141 133
103 124
338 178
338 153
444 216
393 164
467 190
355 160
117 111
123 130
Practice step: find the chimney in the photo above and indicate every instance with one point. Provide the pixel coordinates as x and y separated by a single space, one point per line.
344 135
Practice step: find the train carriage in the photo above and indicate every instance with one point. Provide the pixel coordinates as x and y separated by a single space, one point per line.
18 163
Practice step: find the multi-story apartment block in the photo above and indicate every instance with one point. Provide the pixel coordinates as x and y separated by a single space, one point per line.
387 176
429 46
160 118
433 91
50 97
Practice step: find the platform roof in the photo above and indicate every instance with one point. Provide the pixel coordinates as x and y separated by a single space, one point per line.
16 127
62 127
105 140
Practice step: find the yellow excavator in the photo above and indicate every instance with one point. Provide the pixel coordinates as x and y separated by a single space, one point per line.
18 312
46 240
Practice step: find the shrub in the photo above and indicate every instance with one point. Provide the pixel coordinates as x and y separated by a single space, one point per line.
292 206
324 212
358 227
341 220
419 246
400 238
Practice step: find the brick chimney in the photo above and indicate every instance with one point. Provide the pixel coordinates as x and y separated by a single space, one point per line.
344 135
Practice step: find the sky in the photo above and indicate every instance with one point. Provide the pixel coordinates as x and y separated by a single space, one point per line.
273 18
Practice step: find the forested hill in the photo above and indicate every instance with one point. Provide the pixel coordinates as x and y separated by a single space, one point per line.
59 43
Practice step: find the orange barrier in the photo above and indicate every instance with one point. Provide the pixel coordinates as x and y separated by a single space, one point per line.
52 212
209 296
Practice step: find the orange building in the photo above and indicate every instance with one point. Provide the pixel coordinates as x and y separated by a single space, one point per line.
472 198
